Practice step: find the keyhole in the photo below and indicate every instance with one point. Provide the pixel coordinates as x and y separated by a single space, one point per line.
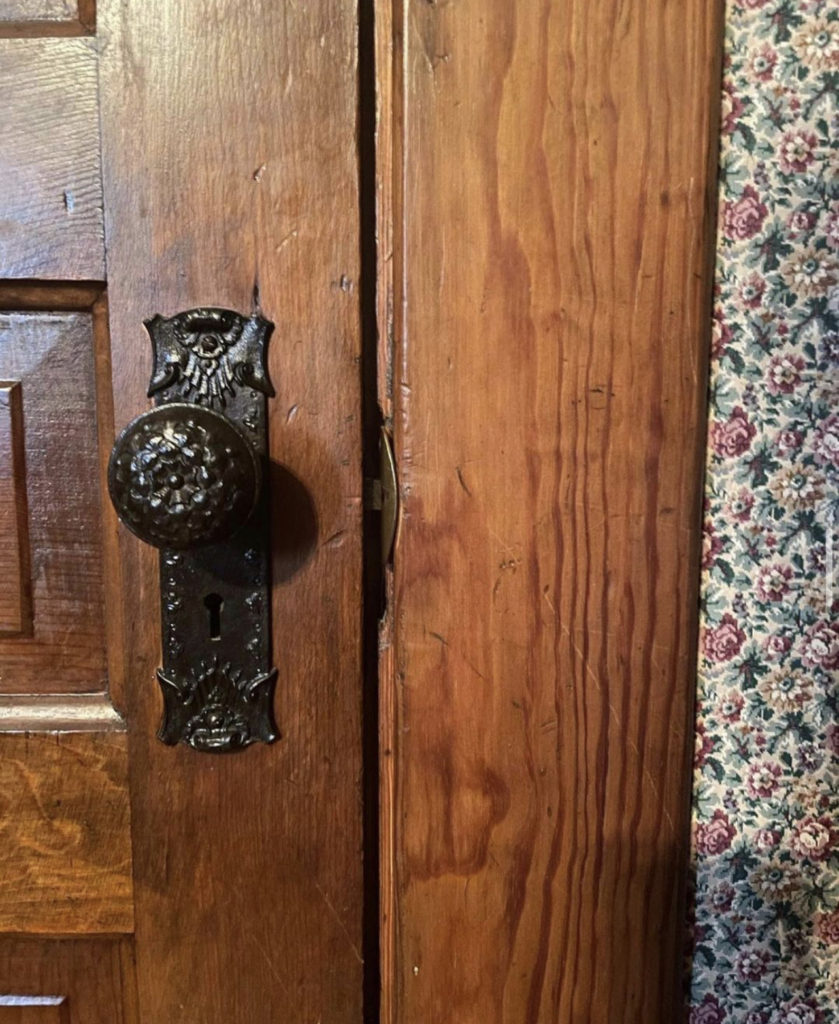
214 604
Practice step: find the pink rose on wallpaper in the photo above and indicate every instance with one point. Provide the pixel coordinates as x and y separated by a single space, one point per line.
821 645
732 108
798 1012
833 737
703 745
827 927
831 228
708 1011
715 836
733 436
750 964
767 839
776 645
752 289
744 217
784 374
762 779
801 221
812 838
724 641
789 441
720 335
797 151
826 446
711 545
773 582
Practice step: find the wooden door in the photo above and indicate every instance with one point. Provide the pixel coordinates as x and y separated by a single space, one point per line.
547 175
157 156
544 175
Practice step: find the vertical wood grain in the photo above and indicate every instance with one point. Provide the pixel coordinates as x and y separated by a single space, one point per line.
92 976
51 199
554 223
230 171
16 594
34 1010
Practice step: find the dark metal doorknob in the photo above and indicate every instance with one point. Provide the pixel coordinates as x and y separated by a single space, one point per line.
186 477
181 476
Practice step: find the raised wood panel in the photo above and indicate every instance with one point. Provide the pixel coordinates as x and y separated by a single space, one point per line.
553 226
15 594
94 976
51 355
51 200
47 17
65 844
34 1010
38 10
236 186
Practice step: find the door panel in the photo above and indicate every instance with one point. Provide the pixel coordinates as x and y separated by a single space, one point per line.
67 981
552 202
47 360
65 843
47 17
52 202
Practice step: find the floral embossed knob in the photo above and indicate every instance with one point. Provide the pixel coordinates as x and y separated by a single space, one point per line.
181 476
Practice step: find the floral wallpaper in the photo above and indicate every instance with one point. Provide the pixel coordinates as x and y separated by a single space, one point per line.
765 932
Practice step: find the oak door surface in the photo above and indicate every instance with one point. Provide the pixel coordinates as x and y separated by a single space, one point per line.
154 157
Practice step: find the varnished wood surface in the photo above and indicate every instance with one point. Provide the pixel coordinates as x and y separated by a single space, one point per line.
16 592
34 1010
51 355
94 976
230 176
32 18
551 314
51 196
65 842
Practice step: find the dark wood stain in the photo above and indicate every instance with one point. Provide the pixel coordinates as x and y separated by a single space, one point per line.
247 867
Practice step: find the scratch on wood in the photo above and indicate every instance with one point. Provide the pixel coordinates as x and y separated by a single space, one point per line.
341 924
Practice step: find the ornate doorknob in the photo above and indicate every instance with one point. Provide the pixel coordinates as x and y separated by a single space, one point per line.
186 475
181 476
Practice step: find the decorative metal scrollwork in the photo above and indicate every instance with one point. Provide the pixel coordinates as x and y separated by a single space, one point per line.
186 477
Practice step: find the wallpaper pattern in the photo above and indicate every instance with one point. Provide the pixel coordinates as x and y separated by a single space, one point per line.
765 942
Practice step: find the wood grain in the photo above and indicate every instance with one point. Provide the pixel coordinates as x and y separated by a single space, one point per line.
16 593
34 1010
554 225
51 354
47 17
93 975
65 842
236 186
51 201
